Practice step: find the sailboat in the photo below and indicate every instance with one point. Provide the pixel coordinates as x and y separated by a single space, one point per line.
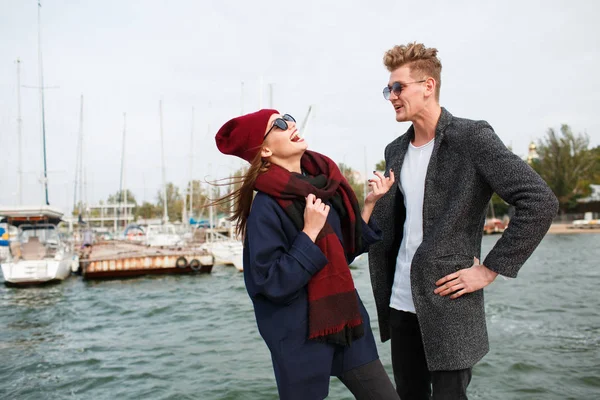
164 234
38 255
226 250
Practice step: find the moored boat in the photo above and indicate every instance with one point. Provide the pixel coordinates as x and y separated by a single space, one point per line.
225 250
38 255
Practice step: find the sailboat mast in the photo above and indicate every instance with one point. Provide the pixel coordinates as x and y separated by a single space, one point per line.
41 68
305 122
162 156
122 190
81 154
79 162
191 191
19 136
85 194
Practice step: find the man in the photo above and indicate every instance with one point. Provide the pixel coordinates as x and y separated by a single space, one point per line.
426 275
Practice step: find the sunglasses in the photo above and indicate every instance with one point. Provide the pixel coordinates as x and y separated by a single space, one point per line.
396 88
281 123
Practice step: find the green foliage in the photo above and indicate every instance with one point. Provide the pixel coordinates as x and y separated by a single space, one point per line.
119 197
500 206
147 211
174 202
199 197
380 166
567 165
596 169
355 181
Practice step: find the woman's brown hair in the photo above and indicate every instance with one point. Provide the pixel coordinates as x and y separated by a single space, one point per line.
242 197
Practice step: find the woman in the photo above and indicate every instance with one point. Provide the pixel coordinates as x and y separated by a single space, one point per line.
300 233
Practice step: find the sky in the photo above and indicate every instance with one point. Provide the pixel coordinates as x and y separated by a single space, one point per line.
523 66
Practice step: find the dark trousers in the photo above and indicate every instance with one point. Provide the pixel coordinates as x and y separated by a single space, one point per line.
413 380
369 382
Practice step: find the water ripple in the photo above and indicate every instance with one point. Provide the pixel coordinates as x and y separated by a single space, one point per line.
195 337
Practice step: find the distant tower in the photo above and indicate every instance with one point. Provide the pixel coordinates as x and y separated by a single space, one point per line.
532 156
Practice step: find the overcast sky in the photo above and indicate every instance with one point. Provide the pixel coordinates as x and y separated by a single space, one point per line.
524 66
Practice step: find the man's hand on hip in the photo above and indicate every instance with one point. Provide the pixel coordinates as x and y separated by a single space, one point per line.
465 280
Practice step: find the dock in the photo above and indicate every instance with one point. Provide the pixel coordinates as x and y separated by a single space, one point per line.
116 259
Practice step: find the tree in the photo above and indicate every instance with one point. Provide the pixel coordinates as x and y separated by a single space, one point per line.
229 185
355 180
147 211
119 197
174 202
566 164
221 188
380 166
500 206
199 198
596 169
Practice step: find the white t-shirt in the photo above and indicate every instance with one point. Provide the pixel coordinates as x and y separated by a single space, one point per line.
412 185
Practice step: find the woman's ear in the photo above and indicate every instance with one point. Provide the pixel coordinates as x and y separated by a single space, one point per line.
266 152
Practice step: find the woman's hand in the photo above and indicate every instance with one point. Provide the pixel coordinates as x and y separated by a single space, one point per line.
379 186
315 215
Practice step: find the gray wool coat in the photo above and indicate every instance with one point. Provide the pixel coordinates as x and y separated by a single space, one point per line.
468 164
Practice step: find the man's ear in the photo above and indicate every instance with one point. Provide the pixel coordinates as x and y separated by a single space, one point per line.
266 152
430 85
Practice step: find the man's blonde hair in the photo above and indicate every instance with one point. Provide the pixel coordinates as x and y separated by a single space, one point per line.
419 59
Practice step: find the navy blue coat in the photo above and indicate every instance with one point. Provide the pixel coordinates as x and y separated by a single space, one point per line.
279 260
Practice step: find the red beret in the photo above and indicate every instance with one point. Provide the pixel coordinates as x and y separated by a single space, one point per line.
243 136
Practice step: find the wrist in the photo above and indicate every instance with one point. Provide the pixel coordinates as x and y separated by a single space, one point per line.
311 235
491 275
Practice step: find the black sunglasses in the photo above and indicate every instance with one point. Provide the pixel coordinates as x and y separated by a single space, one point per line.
396 88
280 123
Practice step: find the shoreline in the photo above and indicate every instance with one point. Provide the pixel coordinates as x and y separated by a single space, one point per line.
560 228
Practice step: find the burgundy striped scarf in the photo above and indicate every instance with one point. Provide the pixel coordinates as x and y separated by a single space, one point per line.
333 311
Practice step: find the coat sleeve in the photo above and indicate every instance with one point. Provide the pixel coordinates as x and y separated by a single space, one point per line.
370 233
519 185
279 268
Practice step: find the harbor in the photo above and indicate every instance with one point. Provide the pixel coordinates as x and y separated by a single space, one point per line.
39 254
180 336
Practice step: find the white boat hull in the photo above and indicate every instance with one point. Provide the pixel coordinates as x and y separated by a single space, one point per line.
32 272
227 252
161 240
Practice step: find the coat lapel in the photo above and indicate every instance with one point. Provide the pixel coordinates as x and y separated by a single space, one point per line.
399 152
429 194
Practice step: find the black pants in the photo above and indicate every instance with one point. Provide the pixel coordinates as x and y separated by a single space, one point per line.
369 382
413 380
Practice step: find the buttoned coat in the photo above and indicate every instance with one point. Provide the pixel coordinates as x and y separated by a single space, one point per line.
279 261
468 164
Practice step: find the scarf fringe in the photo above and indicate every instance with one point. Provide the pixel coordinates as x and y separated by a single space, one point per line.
335 329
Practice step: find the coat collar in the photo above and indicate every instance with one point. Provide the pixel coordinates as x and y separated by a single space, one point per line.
402 144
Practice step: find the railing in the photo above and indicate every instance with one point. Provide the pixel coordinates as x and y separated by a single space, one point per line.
214 236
